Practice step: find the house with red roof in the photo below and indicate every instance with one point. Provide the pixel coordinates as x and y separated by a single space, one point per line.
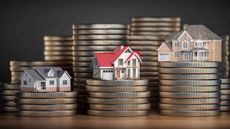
121 64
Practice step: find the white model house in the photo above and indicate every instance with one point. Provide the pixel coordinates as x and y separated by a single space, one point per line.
45 79
193 43
122 63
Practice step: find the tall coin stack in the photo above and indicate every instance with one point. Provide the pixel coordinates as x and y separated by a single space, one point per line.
146 35
90 38
50 104
59 49
225 85
118 97
9 90
190 88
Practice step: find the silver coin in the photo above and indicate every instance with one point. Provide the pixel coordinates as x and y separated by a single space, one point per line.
100 42
189 95
190 76
156 19
190 88
100 26
190 70
190 101
117 82
190 82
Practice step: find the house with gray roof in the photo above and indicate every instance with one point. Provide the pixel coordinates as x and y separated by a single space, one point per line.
193 43
45 79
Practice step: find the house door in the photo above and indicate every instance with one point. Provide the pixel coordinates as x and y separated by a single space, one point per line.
43 85
118 74
122 74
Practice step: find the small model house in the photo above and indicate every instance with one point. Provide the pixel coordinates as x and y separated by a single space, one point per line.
45 79
122 63
193 43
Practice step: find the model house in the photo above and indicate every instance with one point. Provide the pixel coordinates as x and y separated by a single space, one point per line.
193 43
45 79
122 63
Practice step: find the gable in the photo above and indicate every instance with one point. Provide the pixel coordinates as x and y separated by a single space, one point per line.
185 36
65 75
123 52
164 48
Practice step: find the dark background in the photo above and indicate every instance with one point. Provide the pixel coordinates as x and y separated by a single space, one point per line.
23 23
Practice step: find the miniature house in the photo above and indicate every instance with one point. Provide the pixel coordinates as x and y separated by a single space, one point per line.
193 43
45 79
122 63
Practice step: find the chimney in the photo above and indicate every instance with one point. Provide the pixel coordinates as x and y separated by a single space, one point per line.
122 46
185 26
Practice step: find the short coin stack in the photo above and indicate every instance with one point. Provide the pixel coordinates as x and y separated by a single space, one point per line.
52 104
225 85
118 97
16 68
146 35
190 88
88 39
59 49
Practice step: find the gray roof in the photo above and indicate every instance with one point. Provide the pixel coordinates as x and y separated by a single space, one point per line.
41 73
197 32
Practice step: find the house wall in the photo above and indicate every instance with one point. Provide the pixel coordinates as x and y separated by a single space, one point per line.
30 81
64 87
51 87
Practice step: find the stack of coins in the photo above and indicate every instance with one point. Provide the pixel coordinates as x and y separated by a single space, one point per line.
146 35
59 49
118 97
52 104
88 39
16 68
1 99
190 88
225 86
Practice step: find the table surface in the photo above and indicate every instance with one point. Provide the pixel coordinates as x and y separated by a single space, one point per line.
154 120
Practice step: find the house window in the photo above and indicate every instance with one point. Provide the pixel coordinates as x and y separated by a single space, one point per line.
129 63
195 54
30 80
51 82
134 72
134 62
127 51
176 54
43 85
164 57
129 73
120 61
186 56
64 82
176 44
185 45
24 82
122 71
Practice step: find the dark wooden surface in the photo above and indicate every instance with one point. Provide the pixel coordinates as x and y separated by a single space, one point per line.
154 120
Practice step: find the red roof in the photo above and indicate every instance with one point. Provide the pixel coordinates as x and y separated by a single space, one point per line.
106 59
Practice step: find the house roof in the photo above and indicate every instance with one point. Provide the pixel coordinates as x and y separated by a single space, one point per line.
197 32
132 54
41 73
106 59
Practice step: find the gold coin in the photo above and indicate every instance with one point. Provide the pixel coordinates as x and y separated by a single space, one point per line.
100 26
58 38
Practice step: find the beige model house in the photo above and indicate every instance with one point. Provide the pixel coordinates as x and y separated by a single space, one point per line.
193 43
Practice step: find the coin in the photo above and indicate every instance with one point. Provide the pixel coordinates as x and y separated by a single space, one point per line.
225 103
145 38
225 92
190 82
156 19
47 95
190 101
153 33
190 64
94 48
100 26
100 42
9 92
225 108
57 38
225 80
58 48
58 43
116 88
47 107
144 43
38 63
156 29
117 82
190 76
117 113
47 113
154 24
117 101
57 53
189 107
99 37
225 86
190 70
46 101
120 94
54 58
225 97
101 31
189 88
122 107
189 113
189 95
